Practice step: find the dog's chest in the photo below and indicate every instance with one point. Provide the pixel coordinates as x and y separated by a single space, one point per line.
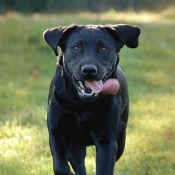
81 127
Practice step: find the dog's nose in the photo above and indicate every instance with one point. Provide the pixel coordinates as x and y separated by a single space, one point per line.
89 70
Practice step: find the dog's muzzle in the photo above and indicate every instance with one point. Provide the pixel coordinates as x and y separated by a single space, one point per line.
88 89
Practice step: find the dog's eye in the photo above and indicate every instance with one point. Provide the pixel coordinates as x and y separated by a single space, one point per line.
104 49
76 48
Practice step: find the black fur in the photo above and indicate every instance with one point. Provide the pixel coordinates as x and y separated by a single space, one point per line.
75 120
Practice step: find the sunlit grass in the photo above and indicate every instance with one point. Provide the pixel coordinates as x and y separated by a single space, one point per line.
24 150
130 16
27 65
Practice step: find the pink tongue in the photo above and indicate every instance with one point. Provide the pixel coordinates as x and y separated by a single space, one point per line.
111 86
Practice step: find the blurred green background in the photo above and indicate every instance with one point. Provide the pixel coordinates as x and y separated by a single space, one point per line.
79 5
27 65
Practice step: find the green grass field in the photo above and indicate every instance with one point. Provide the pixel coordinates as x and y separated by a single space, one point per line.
27 65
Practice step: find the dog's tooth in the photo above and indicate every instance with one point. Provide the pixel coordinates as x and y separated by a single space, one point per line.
83 91
81 84
95 94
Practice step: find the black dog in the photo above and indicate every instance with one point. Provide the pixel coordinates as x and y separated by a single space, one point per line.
80 111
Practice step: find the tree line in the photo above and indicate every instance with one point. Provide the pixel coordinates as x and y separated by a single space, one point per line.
57 6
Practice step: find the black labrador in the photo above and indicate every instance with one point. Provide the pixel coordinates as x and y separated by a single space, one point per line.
80 111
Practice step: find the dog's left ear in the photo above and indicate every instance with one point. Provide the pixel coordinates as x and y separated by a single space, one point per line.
128 34
55 36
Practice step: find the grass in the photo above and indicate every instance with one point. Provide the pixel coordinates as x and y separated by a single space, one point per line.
26 68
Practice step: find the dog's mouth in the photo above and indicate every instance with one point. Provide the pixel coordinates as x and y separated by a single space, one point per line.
85 91
89 89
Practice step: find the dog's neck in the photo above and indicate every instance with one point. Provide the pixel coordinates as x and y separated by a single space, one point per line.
115 67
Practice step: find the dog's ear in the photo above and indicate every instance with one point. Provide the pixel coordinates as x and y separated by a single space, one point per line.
55 36
128 34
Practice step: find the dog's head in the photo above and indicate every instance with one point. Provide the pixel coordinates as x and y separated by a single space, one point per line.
90 52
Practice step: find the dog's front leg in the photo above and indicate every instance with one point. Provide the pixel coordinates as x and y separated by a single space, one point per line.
106 157
59 145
